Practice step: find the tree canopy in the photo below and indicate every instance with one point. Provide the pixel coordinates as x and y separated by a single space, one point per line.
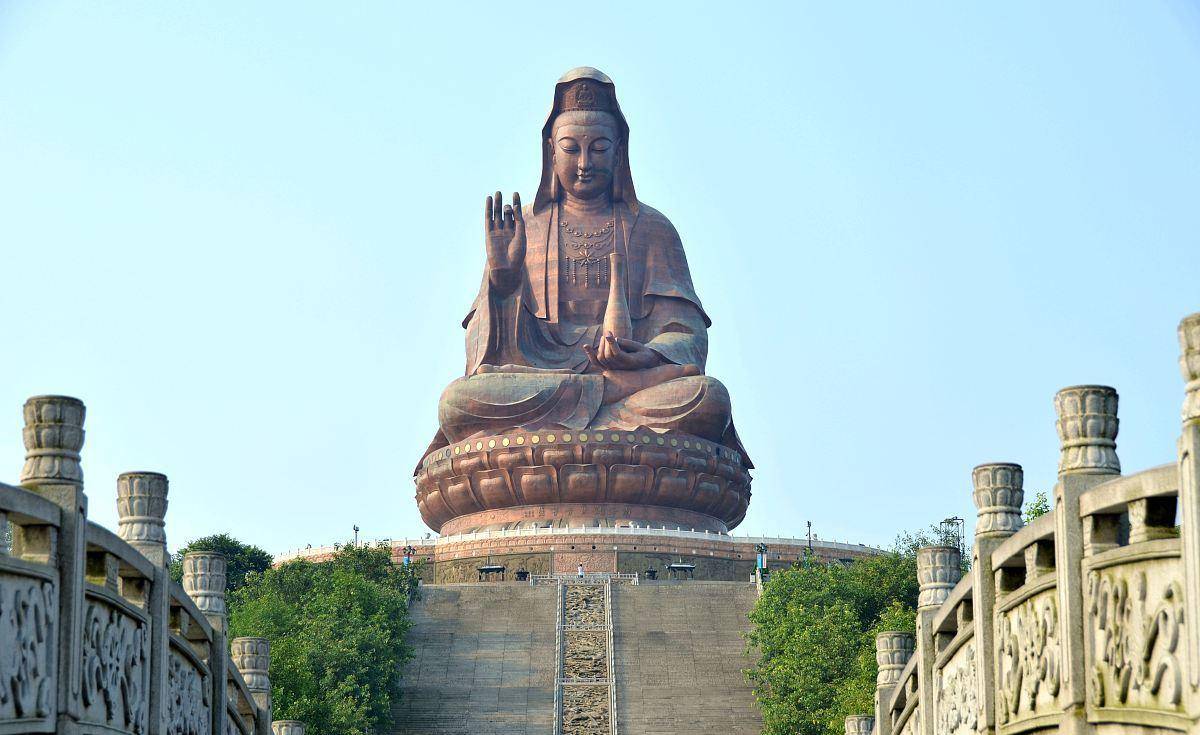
240 559
814 634
337 637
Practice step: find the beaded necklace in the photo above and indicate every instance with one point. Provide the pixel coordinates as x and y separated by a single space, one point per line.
590 250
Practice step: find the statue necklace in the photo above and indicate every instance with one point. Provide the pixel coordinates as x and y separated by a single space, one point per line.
587 259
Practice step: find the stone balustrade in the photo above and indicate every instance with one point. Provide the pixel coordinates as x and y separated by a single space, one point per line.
94 637
1087 620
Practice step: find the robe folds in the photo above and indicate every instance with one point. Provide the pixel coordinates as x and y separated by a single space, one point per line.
526 369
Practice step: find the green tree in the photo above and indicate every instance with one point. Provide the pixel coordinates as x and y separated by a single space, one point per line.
337 637
1037 507
814 636
240 559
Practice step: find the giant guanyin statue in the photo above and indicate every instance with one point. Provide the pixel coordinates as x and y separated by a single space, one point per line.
584 400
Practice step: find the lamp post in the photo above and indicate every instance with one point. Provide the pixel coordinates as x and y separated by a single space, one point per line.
954 525
356 535
761 561
409 551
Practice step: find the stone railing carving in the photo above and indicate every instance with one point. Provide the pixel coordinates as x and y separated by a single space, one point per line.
94 637
1086 620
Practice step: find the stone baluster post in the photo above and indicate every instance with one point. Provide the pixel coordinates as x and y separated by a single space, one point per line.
53 437
1189 486
859 724
1087 431
204 582
287 727
938 569
999 491
252 657
141 508
893 649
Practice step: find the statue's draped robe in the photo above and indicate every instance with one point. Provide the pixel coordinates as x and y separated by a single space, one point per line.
525 363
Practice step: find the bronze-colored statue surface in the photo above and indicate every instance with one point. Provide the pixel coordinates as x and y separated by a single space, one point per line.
586 318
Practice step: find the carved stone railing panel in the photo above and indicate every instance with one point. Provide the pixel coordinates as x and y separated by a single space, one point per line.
115 691
903 705
189 692
1134 633
234 724
28 652
957 708
912 725
94 638
1028 659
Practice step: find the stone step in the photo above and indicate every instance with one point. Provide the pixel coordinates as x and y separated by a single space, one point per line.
483 662
679 659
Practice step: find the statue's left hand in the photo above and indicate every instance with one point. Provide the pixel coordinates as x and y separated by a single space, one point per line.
615 353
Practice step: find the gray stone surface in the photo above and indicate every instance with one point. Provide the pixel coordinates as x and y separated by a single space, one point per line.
680 656
483 661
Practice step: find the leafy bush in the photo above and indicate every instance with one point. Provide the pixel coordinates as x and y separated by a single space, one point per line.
1037 507
337 637
814 635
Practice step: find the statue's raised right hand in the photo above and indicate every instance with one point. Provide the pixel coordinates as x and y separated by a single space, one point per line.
505 232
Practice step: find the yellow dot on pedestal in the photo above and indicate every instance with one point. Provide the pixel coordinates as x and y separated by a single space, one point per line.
492 444
566 437
458 450
598 437
630 438
504 441
583 437
535 438
661 441
615 437
520 440
674 442
645 439
478 446
687 444
550 438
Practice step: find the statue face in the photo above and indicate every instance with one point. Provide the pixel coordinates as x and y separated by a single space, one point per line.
585 153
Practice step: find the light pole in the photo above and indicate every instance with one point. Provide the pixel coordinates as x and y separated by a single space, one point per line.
761 550
356 535
958 526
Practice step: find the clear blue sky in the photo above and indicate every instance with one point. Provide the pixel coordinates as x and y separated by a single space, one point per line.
245 235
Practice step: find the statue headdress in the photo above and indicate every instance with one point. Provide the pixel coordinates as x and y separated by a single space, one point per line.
585 88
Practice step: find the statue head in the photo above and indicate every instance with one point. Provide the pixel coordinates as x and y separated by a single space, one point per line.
585 153
585 142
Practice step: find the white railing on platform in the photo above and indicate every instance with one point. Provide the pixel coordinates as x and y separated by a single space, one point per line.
561 598
424 545
612 665
585 578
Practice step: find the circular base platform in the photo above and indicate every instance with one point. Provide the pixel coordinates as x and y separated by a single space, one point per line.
597 477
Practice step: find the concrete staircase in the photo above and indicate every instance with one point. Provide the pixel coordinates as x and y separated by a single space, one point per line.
484 657
679 659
